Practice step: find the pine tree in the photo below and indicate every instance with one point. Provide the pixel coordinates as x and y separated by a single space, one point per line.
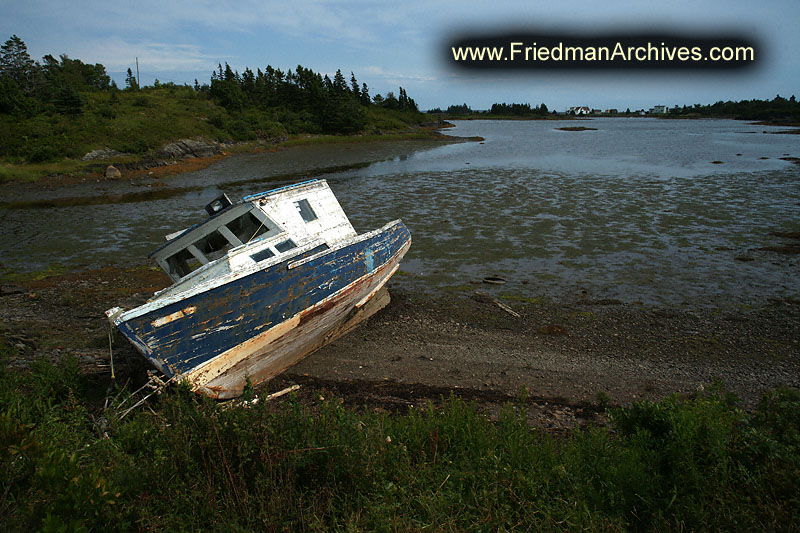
130 81
16 63
365 99
339 85
354 86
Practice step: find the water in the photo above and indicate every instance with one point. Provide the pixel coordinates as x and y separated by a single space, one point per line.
635 210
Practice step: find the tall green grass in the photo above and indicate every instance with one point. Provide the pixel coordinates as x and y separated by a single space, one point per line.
189 464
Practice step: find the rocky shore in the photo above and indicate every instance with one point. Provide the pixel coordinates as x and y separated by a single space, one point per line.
188 155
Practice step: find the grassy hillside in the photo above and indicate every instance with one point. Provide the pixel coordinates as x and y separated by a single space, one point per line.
140 122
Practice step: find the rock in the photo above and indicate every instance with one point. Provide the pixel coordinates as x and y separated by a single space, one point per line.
102 153
112 172
553 329
188 148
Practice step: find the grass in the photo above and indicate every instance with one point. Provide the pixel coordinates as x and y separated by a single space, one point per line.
28 172
353 139
189 464
13 276
457 288
139 123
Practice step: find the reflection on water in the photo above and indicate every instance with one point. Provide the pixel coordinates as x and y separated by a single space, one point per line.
635 210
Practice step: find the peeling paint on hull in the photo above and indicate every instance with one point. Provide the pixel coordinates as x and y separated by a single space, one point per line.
256 326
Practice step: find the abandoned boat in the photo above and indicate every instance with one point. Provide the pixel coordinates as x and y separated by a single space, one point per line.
259 285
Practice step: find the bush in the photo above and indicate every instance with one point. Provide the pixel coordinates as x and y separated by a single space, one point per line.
189 463
135 146
42 154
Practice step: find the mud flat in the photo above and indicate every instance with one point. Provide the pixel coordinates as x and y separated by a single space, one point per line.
567 359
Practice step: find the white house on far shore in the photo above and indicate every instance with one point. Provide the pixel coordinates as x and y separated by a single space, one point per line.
657 110
581 110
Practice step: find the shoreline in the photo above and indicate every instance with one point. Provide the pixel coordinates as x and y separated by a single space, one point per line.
143 167
571 358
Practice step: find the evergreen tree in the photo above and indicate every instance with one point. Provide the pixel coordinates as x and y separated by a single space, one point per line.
390 102
339 85
354 86
226 90
229 74
12 100
365 99
68 100
248 83
130 81
16 63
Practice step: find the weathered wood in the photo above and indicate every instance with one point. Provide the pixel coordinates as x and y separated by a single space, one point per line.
485 296
238 318
280 393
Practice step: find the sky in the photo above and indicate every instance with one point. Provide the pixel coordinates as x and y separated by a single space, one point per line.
388 44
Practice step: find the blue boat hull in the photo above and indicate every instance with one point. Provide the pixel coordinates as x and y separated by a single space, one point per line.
254 327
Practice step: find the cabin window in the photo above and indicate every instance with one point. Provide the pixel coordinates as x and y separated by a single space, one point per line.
285 246
218 240
247 227
213 246
182 263
306 211
266 253
203 251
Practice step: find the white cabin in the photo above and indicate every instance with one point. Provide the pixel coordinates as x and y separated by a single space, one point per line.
261 230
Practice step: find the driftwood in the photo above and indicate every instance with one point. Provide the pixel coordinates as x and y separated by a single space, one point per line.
483 296
154 383
248 403
280 393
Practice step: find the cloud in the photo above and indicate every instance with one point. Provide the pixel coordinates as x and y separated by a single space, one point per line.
119 54
379 72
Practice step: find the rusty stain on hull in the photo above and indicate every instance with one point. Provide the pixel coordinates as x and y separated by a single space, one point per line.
265 303
173 316
316 327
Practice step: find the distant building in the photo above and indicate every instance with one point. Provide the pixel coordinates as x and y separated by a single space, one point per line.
581 110
658 110
612 111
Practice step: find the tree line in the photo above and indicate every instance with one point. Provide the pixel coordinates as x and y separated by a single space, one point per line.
325 105
30 87
779 108
333 105
513 109
520 110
